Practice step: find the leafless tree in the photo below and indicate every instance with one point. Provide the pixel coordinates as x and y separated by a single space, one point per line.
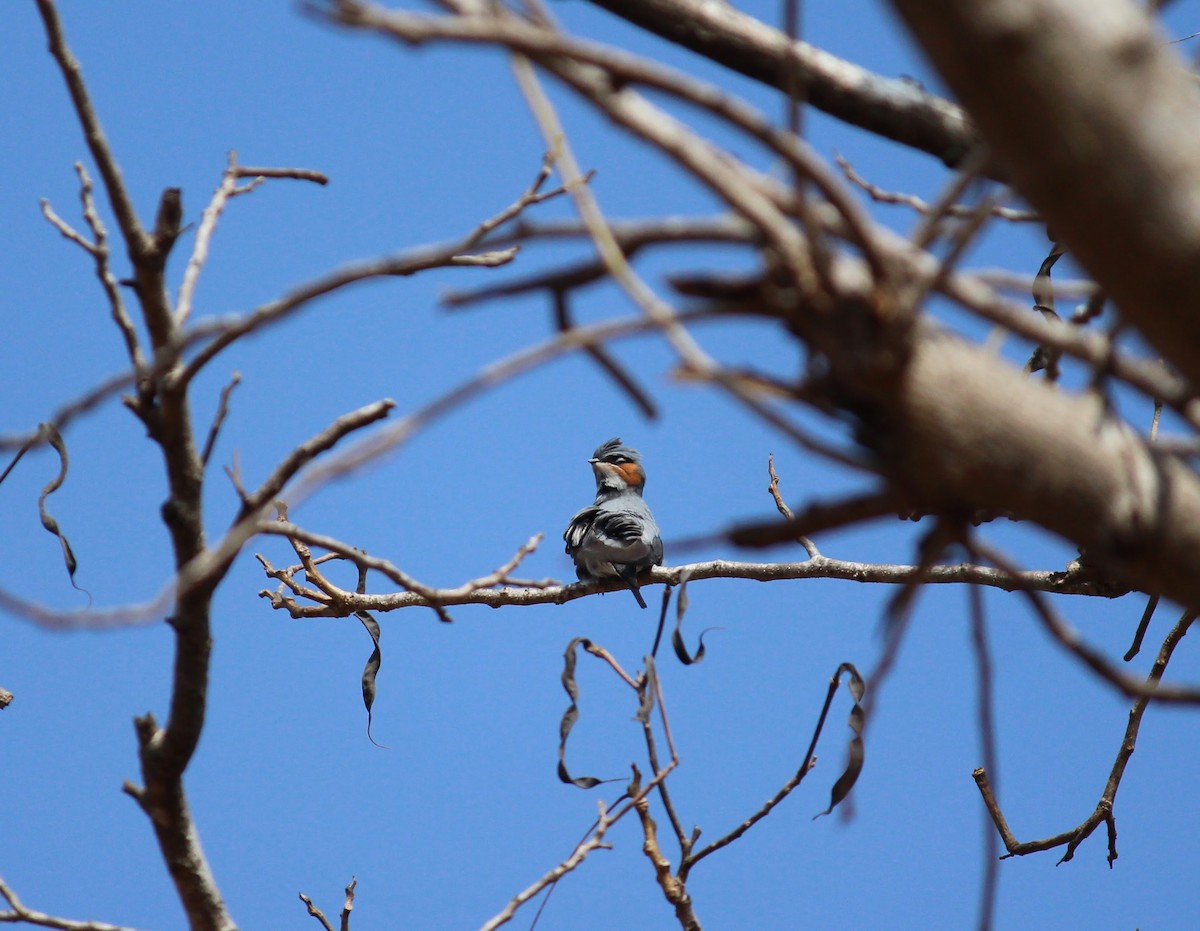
944 430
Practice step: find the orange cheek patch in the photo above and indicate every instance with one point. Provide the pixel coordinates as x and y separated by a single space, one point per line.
632 473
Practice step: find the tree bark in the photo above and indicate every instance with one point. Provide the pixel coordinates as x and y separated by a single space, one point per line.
1097 123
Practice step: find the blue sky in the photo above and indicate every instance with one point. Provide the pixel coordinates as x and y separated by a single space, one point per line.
465 809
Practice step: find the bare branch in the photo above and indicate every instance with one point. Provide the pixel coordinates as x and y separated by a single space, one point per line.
18 912
347 908
893 108
773 490
1103 813
985 702
971 290
296 174
647 681
607 362
813 519
67 231
916 204
307 451
1127 139
93 133
348 904
1069 639
208 223
335 596
593 841
1073 582
130 615
219 417
403 264
316 912
98 250
673 888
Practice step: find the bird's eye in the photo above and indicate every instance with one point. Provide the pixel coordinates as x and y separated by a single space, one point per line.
617 460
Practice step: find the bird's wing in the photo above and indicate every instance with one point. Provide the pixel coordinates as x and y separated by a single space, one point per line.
623 535
578 528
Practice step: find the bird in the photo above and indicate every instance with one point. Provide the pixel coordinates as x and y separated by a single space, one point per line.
616 536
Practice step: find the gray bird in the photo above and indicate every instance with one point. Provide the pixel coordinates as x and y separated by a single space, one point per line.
617 536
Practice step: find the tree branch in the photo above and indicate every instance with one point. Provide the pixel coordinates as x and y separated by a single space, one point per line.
409 262
1038 76
818 567
93 133
895 109
309 450
1103 813
18 912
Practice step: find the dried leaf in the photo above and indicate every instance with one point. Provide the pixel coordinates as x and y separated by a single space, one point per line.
681 606
1043 300
855 753
571 715
50 434
1043 290
662 619
646 692
370 670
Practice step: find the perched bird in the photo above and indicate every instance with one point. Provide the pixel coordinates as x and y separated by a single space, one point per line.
616 537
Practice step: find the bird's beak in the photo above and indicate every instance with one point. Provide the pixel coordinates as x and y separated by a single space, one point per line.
593 461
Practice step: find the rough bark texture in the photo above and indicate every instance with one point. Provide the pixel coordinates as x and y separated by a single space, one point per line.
968 431
1097 123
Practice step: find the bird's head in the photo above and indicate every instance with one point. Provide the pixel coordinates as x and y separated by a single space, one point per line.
617 468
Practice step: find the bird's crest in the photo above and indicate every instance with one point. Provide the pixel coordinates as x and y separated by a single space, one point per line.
614 452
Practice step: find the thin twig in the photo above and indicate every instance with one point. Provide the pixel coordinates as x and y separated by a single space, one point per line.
594 841
335 596
1069 639
18 912
603 358
899 611
227 189
987 740
806 765
409 262
1103 813
311 448
316 912
99 251
773 490
219 418
915 203
664 793
93 132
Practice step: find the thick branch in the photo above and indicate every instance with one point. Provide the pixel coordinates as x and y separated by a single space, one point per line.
968 432
162 405
895 109
1097 122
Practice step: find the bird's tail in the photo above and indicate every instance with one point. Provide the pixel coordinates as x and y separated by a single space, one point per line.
638 595
629 577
